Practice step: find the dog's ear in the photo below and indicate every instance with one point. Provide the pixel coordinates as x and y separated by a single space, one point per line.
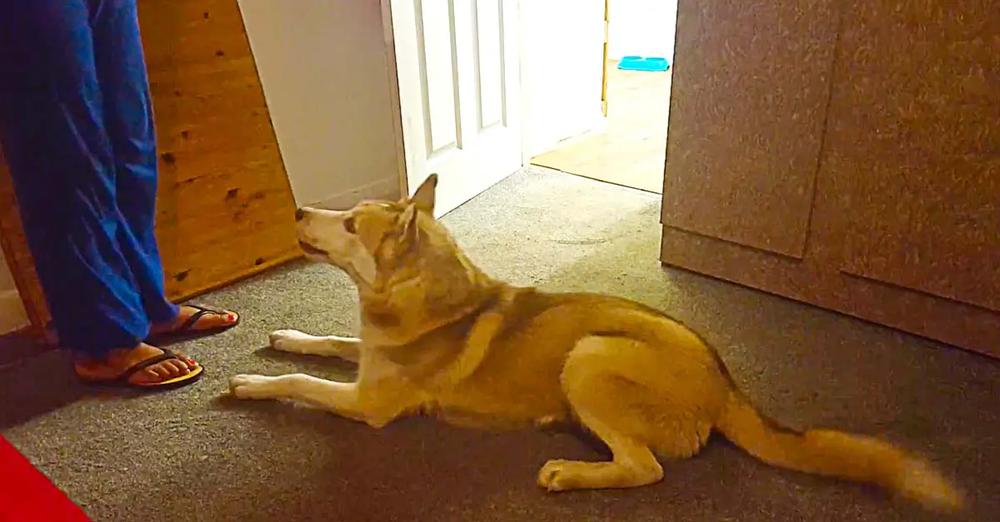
422 201
407 225
423 198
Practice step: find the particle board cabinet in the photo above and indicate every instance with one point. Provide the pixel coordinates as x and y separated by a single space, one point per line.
224 209
846 154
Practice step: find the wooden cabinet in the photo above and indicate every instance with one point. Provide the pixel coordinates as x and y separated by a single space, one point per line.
914 134
225 209
879 198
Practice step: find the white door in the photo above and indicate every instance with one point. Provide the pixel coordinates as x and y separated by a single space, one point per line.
457 69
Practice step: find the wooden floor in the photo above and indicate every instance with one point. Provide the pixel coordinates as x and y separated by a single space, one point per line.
630 150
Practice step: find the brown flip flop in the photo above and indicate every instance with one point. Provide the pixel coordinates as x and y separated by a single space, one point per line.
122 380
187 329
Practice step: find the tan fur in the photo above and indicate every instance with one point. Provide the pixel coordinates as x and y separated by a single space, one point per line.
440 337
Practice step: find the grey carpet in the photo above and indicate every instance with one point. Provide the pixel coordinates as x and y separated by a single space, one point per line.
191 454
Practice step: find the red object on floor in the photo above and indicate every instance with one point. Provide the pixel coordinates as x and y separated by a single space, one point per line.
27 495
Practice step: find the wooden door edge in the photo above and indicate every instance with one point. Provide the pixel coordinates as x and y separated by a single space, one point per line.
25 279
17 272
395 109
604 64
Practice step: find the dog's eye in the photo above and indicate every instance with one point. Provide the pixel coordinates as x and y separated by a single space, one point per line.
349 226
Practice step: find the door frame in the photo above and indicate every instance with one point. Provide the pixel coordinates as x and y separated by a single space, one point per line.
392 73
604 63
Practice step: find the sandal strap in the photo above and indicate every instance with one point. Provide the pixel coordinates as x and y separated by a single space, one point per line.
202 311
152 361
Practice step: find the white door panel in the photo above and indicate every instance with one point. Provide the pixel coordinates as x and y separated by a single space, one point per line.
457 63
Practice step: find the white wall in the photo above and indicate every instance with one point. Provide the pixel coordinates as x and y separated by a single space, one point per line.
562 49
323 67
641 27
12 314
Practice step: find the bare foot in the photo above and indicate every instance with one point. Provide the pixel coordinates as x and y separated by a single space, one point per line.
208 320
119 361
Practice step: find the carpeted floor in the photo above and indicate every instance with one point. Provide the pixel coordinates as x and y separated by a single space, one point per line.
194 455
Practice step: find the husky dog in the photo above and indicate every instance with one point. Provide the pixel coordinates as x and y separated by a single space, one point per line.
440 337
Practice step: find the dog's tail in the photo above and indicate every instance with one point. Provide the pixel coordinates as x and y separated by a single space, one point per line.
836 454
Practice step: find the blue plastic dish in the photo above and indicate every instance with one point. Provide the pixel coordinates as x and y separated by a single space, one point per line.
639 63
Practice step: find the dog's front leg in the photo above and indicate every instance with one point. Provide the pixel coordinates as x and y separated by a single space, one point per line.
375 406
294 341
341 398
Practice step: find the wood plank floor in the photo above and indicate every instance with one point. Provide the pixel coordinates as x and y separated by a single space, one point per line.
630 151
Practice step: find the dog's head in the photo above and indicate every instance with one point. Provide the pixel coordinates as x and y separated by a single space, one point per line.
373 241
410 274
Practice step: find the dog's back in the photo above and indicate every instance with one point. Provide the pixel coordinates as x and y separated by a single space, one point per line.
642 376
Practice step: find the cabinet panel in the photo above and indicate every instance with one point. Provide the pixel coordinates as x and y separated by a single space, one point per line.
923 156
750 89
970 327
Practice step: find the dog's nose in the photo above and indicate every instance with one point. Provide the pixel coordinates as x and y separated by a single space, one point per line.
299 214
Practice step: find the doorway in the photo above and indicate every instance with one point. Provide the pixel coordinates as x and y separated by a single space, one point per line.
487 86
626 147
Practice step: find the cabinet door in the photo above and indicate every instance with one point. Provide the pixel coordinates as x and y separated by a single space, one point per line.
922 203
750 89
904 225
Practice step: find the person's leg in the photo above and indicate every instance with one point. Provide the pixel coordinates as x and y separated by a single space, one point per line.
53 135
63 173
128 115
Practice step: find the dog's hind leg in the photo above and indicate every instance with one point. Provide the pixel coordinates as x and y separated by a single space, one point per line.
594 390
294 341
633 465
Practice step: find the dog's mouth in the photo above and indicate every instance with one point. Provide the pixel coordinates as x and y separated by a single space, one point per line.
311 250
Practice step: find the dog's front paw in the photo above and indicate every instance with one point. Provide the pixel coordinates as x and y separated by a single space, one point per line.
553 475
251 387
288 340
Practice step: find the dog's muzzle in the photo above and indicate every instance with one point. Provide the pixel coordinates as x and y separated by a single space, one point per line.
309 249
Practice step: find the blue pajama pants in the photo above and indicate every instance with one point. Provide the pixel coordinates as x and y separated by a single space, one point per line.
76 126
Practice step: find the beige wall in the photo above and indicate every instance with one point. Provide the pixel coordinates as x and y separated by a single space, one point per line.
323 67
641 27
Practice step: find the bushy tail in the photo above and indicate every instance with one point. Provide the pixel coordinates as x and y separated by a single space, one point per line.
836 454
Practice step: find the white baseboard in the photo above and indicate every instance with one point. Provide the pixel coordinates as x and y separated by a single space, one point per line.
12 316
387 188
